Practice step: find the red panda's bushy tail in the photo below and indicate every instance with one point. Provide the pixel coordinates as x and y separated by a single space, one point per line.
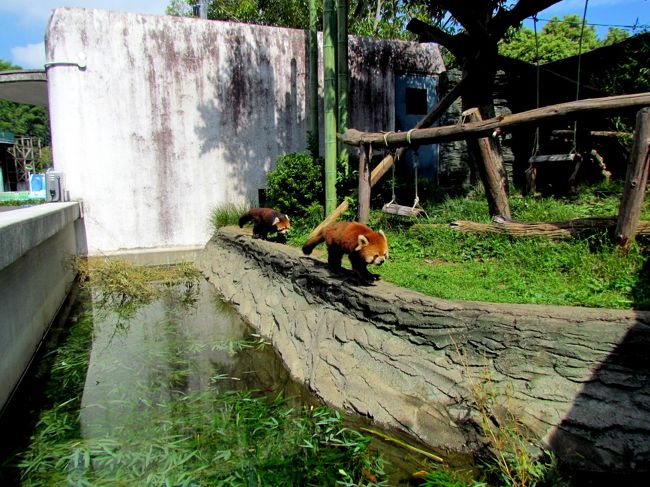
312 242
245 219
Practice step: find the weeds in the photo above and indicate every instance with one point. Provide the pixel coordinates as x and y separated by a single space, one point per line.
122 287
227 214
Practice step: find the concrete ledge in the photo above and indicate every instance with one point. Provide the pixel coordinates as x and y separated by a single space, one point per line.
36 247
26 228
578 378
154 256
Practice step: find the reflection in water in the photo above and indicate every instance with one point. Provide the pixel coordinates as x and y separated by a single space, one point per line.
172 346
178 368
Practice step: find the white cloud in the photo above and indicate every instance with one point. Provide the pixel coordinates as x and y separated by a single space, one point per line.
31 56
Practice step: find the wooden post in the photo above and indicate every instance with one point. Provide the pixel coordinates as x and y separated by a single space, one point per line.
365 152
635 181
491 170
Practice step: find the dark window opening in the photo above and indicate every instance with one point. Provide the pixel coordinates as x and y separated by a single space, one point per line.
416 101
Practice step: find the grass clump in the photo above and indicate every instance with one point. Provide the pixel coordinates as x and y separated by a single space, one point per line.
514 457
227 214
122 287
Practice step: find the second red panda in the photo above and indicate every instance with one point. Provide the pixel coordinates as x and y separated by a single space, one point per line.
265 220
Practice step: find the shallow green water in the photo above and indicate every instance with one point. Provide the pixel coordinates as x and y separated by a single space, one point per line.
179 391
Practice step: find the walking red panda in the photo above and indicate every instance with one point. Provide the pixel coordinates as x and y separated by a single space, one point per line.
362 245
266 220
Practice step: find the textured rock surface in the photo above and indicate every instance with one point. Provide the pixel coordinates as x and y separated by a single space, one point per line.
577 377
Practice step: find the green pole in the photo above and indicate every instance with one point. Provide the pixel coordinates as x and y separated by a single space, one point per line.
313 79
329 103
342 76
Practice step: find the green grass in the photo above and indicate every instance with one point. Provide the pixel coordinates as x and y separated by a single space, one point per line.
227 214
440 261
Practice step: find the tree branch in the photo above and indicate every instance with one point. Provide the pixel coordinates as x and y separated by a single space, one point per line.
500 23
430 33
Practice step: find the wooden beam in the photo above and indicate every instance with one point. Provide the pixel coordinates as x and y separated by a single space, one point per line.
492 172
636 180
570 110
365 154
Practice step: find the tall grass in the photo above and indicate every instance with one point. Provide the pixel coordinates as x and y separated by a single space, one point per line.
227 214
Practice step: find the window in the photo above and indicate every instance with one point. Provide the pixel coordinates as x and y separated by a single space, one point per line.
416 101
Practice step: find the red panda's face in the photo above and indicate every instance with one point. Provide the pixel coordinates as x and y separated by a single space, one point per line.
282 224
373 248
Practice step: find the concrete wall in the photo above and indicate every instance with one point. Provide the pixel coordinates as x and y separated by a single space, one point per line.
36 245
578 378
163 118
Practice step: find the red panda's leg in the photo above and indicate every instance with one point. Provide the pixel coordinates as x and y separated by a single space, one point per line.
334 257
361 267
260 230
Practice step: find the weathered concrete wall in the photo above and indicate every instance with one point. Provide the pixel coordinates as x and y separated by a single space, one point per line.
36 247
169 117
578 377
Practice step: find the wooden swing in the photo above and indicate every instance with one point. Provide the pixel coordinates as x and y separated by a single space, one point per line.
392 207
572 156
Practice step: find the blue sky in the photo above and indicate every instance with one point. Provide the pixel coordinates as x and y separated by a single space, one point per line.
23 22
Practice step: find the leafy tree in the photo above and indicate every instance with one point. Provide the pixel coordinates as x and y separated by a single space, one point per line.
384 19
557 39
614 35
23 119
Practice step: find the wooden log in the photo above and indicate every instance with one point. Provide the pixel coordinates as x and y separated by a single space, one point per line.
570 110
636 180
559 229
365 155
491 170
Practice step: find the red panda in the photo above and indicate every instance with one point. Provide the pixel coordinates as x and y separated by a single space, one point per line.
266 220
363 246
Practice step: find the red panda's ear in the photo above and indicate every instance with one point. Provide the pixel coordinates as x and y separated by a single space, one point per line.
381 232
276 220
362 241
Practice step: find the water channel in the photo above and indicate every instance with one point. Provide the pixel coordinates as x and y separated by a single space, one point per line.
156 372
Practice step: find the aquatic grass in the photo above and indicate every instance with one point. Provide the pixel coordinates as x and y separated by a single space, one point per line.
121 287
214 439
169 434
515 457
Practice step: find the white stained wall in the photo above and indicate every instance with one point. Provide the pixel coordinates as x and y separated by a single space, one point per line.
169 117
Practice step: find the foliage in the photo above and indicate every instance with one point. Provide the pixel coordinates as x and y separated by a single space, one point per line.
631 73
122 287
558 39
44 160
22 203
296 184
187 437
384 19
23 119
